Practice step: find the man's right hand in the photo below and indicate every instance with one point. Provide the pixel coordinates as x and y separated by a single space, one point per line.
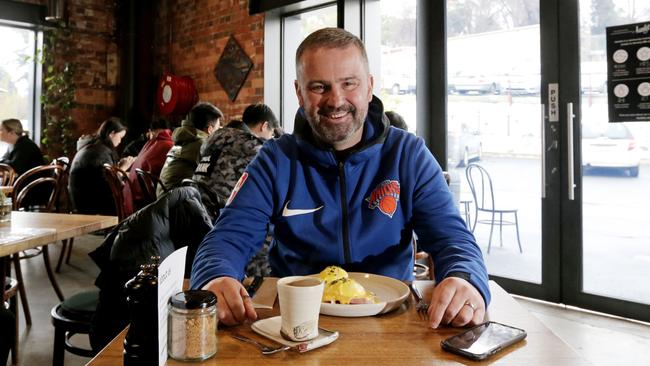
233 303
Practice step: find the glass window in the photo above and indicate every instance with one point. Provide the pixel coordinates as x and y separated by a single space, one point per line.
494 120
17 77
295 28
396 52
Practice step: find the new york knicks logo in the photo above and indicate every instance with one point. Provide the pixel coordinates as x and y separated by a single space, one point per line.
385 197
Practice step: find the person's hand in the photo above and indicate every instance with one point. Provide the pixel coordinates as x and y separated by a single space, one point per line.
456 302
233 303
125 162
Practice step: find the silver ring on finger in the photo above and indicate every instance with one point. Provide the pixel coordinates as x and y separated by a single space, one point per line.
467 303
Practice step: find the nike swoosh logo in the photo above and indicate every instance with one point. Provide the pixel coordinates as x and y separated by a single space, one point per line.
286 212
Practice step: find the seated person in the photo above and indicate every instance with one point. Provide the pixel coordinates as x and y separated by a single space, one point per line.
23 154
224 156
343 189
183 157
151 157
89 190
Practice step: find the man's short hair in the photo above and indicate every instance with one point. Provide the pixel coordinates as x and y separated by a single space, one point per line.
204 115
255 114
331 38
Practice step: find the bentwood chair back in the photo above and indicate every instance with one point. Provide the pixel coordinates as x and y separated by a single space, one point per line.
117 179
7 175
480 183
36 189
148 184
64 205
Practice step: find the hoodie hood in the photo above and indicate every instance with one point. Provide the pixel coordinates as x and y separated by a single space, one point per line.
186 134
85 140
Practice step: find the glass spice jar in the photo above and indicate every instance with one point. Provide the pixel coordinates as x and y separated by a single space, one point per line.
192 325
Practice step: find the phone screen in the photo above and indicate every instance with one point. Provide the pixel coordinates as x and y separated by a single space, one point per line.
484 339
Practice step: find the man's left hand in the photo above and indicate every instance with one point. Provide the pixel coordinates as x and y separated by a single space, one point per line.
456 302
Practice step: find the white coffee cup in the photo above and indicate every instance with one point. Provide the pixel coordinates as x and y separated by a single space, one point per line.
300 299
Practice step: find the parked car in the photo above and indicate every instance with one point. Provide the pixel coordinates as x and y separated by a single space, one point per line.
399 83
610 145
521 83
463 144
463 83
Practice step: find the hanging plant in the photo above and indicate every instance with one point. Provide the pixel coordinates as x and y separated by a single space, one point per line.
58 95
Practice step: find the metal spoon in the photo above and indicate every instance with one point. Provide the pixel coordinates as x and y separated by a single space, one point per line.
266 350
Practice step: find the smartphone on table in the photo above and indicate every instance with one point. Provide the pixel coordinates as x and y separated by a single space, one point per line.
483 340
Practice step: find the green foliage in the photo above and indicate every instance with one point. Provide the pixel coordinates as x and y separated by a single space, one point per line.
58 95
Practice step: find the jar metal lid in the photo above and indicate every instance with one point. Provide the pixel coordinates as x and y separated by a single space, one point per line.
193 299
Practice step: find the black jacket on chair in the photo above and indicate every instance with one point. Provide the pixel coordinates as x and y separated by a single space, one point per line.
175 220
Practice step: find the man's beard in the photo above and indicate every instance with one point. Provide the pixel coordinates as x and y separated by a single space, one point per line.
332 133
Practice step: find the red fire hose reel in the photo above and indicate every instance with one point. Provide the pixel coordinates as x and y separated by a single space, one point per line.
176 95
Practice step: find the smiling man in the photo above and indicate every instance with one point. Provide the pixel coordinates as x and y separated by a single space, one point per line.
344 189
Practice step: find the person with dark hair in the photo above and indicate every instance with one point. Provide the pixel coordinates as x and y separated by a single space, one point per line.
202 120
151 158
224 157
343 189
396 120
89 191
23 154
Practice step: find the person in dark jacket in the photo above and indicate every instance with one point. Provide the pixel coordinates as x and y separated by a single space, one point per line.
24 154
89 191
176 220
183 157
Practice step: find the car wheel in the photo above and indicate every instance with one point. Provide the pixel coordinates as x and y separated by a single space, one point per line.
634 172
395 89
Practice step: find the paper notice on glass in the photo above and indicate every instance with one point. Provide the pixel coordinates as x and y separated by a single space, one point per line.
170 282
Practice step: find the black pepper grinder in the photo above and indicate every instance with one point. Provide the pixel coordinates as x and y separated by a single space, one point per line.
141 342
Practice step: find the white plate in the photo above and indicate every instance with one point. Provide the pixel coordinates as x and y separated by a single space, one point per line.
390 293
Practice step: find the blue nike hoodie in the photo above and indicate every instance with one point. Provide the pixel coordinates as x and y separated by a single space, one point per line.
358 213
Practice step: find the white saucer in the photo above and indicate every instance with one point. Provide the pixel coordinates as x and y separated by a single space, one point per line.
270 328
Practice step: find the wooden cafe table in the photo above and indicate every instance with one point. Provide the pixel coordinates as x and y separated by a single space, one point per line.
28 230
397 338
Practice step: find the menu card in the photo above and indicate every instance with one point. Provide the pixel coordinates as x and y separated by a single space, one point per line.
170 282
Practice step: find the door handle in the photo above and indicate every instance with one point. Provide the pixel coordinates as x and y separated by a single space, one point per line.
570 157
543 136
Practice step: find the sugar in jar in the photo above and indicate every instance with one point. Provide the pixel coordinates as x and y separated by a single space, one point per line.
192 325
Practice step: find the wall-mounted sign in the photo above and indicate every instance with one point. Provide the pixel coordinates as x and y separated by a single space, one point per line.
628 72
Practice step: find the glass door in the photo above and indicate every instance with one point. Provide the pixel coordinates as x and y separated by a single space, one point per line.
494 123
611 243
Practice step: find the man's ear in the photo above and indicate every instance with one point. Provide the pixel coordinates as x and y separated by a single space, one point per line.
371 83
301 102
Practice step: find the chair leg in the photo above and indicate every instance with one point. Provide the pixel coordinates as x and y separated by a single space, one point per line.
59 346
517 229
64 247
13 307
501 229
21 288
491 229
67 257
50 274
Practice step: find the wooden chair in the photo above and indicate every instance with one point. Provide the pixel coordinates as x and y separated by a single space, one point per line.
41 185
117 179
64 205
10 292
7 175
70 317
148 184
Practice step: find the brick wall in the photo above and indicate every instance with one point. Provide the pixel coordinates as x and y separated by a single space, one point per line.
190 36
